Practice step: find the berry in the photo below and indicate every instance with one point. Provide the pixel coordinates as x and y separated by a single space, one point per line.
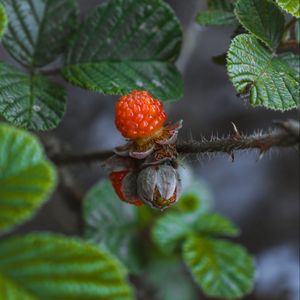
117 180
139 115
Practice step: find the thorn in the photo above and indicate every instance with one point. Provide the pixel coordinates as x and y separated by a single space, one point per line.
236 135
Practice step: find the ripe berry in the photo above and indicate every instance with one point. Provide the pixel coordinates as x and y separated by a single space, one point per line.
124 189
139 115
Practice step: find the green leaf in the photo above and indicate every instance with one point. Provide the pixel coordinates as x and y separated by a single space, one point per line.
291 6
126 45
26 177
222 269
3 20
263 18
220 5
38 30
48 266
216 18
169 231
111 223
270 81
215 224
30 101
297 30
293 60
169 281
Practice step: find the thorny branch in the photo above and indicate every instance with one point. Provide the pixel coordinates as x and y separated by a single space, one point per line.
285 134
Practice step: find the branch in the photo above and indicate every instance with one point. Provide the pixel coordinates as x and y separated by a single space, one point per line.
287 134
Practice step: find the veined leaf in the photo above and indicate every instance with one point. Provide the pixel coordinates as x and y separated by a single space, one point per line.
38 30
221 268
263 18
30 101
3 20
170 230
293 60
126 45
291 6
111 223
48 266
26 177
216 18
270 80
215 224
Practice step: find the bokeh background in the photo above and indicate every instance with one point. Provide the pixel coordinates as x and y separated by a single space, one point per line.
261 197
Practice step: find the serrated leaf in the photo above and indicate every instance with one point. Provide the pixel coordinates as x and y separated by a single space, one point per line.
222 269
169 230
270 81
39 30
30 101
291 6
111 223
216 18
263 18
215 224
293 60
26 177
126 45
3 20
48 266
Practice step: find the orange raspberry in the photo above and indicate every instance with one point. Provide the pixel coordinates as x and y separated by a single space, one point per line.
139 115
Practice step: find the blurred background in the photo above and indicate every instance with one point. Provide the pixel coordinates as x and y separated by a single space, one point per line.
261 197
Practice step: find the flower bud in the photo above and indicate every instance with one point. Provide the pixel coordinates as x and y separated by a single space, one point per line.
158 186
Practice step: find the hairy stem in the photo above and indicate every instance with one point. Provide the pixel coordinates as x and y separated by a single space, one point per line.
286 134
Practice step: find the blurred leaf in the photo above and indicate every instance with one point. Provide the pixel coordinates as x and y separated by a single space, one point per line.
169 281
271 82
215 224
48 266
3 20
26 177
222 269
38 30
220 5
30 101
263 18
293 60
169 230
216 18
126 45
297 30
291 6
111 223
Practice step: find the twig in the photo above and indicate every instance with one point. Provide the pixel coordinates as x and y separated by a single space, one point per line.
285 135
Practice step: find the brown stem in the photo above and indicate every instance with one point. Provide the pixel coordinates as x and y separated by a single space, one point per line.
285 135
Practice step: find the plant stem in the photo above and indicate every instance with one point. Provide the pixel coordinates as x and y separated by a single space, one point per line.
286 134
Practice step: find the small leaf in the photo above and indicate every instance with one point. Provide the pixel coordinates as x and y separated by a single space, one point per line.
38 30
263 18
3 20
215 224
293 60
291 6
48 266
169 231
111 223
169 280
271 82
216 18
26 177
30 101
126 45
222 269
